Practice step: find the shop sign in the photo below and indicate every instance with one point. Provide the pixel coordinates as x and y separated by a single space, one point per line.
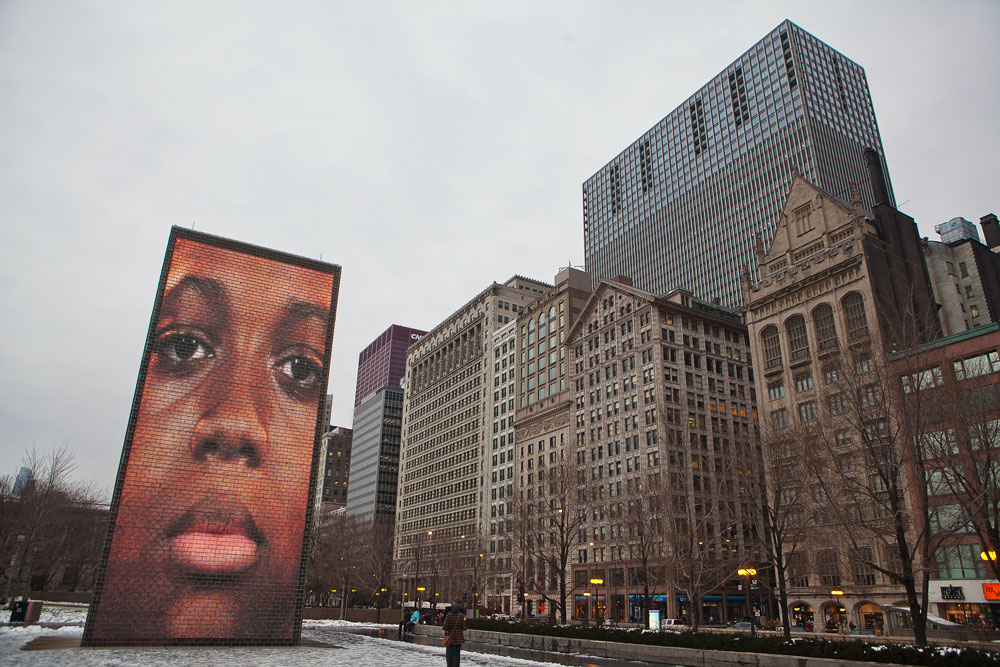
952 593
991 591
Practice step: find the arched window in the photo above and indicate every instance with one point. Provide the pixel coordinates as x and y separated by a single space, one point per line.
854 312
826 330
772 346
798 338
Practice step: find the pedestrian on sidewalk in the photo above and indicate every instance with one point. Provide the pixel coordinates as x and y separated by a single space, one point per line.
454 631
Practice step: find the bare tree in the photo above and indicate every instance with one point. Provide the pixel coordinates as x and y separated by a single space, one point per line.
546 530
640 526
778 507
50 524
868 482
334 564
700 553
376 563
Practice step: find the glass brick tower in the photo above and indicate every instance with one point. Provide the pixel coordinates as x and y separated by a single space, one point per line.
680 207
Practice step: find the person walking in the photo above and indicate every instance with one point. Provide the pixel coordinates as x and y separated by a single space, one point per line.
454 632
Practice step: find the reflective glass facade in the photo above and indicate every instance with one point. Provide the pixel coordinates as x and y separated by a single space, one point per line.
375 456
680 207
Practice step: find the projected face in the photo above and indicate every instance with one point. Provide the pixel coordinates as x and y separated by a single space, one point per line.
209 532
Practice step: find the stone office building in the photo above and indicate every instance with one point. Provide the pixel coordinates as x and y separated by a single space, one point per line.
665 455
446 464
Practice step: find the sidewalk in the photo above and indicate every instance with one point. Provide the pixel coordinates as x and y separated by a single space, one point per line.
323 642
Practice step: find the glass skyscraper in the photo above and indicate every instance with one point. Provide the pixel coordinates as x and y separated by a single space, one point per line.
680 207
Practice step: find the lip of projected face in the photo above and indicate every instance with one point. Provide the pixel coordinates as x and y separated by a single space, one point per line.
215 539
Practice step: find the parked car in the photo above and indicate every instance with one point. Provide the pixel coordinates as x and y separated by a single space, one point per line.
742 625
869 632
794 628
673 625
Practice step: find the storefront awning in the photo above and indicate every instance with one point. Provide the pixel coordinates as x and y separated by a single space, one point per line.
931 618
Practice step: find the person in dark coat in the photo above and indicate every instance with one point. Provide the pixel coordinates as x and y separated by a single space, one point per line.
454 625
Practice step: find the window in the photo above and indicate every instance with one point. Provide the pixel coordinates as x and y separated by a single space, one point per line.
854 312
826 331
922 380
982 364
779 418
963 269
959 561
864 364
776 390
807 411
864 571
974 310
829 568
838 404
831 375
950 519
772 347
798 339
798 569
803 382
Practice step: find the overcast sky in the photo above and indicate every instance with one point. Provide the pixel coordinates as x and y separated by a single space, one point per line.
428 148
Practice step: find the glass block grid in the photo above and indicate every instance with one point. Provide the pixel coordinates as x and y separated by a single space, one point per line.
209 518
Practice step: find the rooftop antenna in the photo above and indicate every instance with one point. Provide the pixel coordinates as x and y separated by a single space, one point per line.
192 224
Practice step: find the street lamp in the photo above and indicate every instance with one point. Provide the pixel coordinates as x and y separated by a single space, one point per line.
841 609
989 554
596 583
748 572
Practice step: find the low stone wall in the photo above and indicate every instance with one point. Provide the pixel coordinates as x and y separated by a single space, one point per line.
357 615
664 655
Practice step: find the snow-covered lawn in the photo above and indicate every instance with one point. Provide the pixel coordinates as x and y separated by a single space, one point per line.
352 649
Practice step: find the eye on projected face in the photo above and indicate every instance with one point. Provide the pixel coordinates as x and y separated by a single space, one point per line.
212 509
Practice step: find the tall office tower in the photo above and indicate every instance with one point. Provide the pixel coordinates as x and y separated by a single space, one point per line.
383 362
665 450
444 455
680 207
375 456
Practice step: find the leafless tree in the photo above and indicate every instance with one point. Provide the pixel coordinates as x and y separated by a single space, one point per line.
334 561
640 524
778 506
868 482
546 530
50 524
704 529
376 563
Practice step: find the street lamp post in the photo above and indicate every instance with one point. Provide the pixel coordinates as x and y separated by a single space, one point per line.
590 613
748 572
596 583
475 585
841 609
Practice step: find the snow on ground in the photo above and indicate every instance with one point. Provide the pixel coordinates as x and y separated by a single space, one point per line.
353 649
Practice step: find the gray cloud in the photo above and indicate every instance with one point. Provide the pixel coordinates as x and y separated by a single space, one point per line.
429 148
